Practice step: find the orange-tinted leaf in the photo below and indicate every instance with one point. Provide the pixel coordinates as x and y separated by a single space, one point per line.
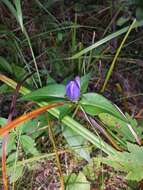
13 124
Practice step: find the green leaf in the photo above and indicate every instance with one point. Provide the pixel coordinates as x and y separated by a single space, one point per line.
19 13
4 89
84 82
28 145
5 66
130 162
18 71
65 110
30 126
94 104
77 141
75 182
11 158
51 91
119 127
11 143
3 121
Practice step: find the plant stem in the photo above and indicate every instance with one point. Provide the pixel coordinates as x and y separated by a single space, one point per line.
4 176
57 156
116 56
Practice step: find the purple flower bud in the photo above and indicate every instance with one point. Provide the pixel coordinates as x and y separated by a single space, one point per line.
73 89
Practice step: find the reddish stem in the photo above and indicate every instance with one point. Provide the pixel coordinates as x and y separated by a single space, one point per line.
5 138
4 176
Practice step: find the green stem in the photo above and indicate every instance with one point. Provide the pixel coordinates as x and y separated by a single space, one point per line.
104 40
33 56
116 56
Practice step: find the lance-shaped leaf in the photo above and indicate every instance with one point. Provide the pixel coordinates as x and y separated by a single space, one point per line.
94 104
50 92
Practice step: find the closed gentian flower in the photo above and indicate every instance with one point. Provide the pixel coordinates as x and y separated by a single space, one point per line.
73 89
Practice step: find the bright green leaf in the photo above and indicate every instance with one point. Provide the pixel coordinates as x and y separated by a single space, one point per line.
50 91
11 143
65 110
28 145
94 104
84 82
11 158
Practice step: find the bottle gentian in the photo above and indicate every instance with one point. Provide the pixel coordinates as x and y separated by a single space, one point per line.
73 89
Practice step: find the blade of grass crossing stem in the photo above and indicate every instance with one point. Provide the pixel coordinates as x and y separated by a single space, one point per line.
68 121
116 56
104 40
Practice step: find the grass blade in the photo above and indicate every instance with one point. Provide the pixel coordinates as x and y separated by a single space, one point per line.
19 14
104 40
116 56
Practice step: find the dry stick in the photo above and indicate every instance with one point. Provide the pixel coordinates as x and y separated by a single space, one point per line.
5 137
57 156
